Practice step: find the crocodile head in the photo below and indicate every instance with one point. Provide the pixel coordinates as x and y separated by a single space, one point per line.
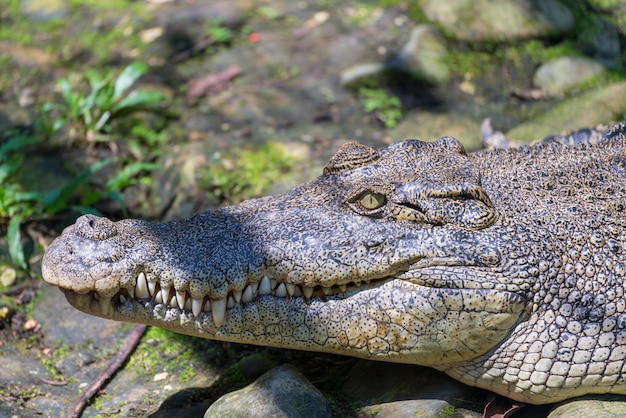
391 254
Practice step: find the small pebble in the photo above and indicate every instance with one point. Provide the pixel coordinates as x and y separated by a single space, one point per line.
160 376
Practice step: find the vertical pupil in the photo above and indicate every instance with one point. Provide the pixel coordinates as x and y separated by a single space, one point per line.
372 200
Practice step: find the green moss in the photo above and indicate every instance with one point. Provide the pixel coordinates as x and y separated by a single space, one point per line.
244 174
448 412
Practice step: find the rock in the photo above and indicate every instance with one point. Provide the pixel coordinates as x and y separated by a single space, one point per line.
7 275
44 10
588 109
605 40
230 13
61 321
606 406
432 125
255 365
556 76
499 20
360 74
424 56
402 391
281 392
176 182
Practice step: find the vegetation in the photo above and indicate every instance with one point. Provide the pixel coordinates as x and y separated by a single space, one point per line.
89 116
244 174
386 108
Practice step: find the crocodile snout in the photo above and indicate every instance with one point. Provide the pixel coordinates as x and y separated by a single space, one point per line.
95 227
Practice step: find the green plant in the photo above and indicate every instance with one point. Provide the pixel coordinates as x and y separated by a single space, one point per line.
386 108
245 173
220 34
18 204
90 115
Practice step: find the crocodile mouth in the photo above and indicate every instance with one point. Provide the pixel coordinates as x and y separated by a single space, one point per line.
151 294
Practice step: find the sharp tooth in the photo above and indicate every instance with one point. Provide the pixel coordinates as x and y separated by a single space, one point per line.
152 287
141 289
247 295
173 302
165 293
237 295
265 288
96 296
188 304
180 297
291 288
131 292
105 305
196 306
122 298
230 303
307 292
342 287
158 298
255 288
218 309
273 283
357 284
207 306
327 290
281 291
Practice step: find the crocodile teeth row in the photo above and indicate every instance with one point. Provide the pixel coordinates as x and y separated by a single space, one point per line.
145 289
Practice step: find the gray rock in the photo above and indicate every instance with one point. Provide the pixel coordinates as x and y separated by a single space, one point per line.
588 109
605 40
44 10
403 391
606 406
365 73
61 321
281 392
229 13
556 76
424 56
430 125
499 20
255 365
176 182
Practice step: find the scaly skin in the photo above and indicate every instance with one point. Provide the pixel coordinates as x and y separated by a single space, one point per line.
504 268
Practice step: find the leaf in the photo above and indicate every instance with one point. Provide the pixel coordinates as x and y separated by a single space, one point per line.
57 199
16 251
16 143
138 99
127 78
66 91
10 166
95 80
85 210
125 176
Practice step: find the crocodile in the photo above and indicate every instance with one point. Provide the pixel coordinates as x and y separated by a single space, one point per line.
503 268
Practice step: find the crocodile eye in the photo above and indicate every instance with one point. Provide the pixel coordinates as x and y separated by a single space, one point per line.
371 200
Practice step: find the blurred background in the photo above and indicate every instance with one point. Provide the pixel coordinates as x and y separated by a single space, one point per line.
160 109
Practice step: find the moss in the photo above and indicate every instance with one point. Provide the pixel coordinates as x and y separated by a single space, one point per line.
244 174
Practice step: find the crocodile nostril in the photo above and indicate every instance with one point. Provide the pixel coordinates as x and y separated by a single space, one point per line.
95 228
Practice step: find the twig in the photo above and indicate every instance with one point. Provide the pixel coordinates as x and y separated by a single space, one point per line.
52 382
129 345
